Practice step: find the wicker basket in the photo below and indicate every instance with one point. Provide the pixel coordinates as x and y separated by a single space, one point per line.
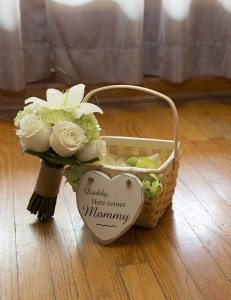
125 147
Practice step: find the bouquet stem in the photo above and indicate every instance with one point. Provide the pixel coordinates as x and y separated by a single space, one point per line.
43 199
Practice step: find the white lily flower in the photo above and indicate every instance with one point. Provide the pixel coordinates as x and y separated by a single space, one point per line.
71 99
78 113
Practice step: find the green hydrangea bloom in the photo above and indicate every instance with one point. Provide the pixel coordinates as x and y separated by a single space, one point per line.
56 115
90 126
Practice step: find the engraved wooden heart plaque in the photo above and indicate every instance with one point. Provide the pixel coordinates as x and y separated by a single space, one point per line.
109 207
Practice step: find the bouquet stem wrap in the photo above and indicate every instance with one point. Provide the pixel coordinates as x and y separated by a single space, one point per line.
43 199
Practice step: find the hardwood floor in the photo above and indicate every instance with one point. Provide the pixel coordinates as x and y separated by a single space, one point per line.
197 88
187 255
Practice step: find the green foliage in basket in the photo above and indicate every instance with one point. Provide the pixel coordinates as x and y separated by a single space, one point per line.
152 186
146 162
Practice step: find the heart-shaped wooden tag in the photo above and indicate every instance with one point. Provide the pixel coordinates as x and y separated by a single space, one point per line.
109 207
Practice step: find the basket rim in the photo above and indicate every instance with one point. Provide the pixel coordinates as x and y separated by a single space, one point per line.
139 139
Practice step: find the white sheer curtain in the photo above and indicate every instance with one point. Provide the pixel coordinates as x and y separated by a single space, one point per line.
117 41
25 54
11 49
187 38
98 40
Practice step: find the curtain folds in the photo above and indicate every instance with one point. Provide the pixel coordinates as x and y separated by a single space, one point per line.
187 38
36 43
11 48
98 41
116 41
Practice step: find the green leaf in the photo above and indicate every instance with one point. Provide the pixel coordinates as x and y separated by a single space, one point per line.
147 184
73 173
148 194
91 161
52 157
151 187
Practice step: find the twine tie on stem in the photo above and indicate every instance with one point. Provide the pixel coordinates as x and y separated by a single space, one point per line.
43 199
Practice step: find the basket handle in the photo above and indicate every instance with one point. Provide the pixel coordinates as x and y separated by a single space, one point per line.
146 90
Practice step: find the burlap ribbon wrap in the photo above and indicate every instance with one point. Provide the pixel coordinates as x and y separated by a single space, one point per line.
49 180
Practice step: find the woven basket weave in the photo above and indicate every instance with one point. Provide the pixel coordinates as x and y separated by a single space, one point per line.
124 147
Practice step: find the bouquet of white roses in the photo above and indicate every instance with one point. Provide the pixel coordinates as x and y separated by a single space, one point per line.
61 131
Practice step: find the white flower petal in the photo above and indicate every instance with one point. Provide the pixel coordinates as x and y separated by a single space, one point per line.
89 108
35 100
38 142
75 95
78 113
61 149
67 138
29 125
55 99
68 109
91 150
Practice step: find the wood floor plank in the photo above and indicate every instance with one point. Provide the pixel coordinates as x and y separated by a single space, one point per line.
8 260
207 195
199 252
210 169
34 273
126 250
209 232
218 153
215 165
102 274
69 278
212 122
141 282
170 271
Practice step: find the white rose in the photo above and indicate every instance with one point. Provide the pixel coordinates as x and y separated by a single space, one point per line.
92 150
33 133
67 138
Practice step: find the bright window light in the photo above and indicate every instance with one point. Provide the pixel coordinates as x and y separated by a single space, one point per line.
132 9
73 2
9 15
177 9
226 4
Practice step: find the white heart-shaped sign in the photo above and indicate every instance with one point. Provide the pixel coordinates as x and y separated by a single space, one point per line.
109 207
